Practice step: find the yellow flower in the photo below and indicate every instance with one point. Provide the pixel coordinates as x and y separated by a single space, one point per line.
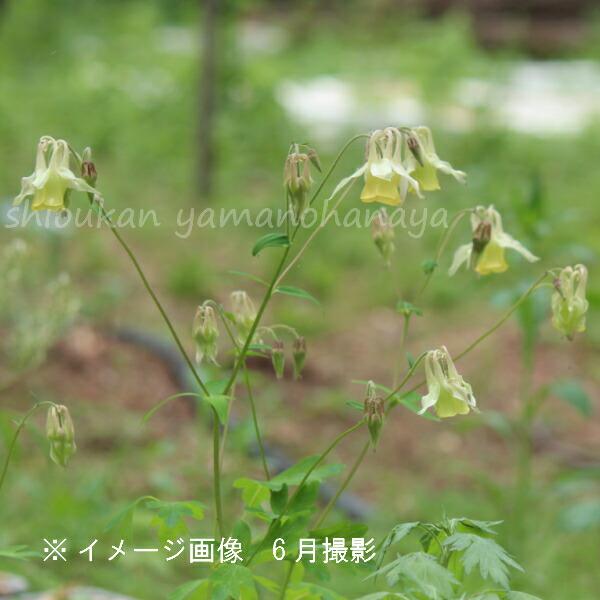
423 163
569 304
486 250
386 178
447 391
50 183
61 434
206 334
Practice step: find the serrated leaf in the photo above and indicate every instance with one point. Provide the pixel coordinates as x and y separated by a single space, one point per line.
254 493
421 573
573 393
269 240
396 534
485 554
290 290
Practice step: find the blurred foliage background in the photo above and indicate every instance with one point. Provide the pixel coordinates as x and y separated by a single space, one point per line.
512 94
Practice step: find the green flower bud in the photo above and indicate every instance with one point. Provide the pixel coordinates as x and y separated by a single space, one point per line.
88 168
297 178
374 413
61 434
569 303
383 235
299 356
278 358
206 334
244 313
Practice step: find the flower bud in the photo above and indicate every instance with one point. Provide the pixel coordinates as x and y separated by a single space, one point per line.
374 413
278 358
299 356
88 168
569 303
297 178
244 313
206 334
383 235
61 434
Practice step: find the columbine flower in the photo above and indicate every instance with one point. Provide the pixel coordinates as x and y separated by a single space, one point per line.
447 390
61 434
486 250
206 334
244 313
569 304
423 161
399 160
51 180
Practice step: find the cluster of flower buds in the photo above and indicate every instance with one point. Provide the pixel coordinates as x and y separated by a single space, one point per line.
52 179
205 333
399 161
297 178
447 391
485 252
61 434
383 235
298 357
569 303
244 314
374 410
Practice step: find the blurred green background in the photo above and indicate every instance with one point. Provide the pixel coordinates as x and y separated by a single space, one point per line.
512 93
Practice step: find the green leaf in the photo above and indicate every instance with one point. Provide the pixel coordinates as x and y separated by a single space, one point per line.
384 596
412 401
279 499
192 590
295 474
420 572
571 392
232 581
18 552
290 290
468 525
123 520
248 276
162 403
343 529
484 553
254 493
396 534
220 403
269 240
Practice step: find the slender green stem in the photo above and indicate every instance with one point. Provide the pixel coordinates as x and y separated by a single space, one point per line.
496 326
286 581
336 160
343 486
261 447
313 234
217 471
442 244
13 442
154 297
408 375
401 347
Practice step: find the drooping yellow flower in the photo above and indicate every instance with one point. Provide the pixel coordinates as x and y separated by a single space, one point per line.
486 250
423 163
206 334
447 391
569 304
51 181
